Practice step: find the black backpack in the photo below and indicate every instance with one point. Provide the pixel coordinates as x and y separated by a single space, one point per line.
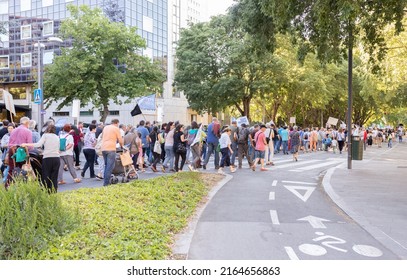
242 136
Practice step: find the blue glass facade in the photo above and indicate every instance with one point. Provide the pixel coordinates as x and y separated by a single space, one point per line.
34 20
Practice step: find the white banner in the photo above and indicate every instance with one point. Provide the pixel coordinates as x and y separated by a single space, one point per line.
242 120
9 102
292 119
332 121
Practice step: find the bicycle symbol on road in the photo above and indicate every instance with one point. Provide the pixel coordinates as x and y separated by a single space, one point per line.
324 242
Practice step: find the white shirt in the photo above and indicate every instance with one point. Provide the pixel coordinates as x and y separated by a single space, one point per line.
51 145
224 140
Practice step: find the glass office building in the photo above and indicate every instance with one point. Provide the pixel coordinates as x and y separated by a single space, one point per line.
33 21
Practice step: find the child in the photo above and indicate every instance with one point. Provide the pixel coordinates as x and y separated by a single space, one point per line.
334 145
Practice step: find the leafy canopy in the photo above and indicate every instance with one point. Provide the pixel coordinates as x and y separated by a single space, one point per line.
102 65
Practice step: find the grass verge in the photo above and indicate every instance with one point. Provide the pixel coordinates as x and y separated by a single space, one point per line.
129 221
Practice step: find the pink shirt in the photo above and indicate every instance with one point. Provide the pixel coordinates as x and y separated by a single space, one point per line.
260 138
20 135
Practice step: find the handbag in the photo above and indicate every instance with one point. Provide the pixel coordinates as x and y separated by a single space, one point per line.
125 158
181 149
157 147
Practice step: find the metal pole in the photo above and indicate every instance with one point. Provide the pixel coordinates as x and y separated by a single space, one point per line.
42 89
39 85
349 117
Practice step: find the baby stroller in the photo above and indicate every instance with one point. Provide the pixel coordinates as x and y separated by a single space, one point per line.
124 167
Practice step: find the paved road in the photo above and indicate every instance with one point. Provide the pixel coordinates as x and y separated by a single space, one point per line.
283 214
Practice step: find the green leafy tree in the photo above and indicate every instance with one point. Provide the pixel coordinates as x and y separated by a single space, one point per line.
3 27
217 67
102 65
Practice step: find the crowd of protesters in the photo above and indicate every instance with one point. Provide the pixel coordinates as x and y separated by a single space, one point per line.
170 147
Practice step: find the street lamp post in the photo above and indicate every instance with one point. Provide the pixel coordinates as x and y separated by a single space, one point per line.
39 47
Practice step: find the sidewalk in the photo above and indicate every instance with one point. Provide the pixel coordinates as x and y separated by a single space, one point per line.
374 194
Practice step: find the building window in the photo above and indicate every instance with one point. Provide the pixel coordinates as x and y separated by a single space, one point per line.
148 24
4 62
47 3
86 113
25 5
112 113
48 28
60 114
4 7
26 60
18 92
25 31
194 118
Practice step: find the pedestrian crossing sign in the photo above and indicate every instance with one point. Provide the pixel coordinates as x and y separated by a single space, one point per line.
37 96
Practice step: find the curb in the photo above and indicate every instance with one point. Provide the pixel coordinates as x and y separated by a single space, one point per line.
183 240
360 219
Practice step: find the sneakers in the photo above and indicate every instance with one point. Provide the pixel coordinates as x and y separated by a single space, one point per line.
232 170
61 182
220 171
163 169
190 167
77 180
82 174
153 168
204 166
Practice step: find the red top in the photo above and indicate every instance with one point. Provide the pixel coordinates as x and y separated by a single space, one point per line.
76 138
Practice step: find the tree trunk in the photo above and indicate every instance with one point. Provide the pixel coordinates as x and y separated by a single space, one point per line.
105 113
246 107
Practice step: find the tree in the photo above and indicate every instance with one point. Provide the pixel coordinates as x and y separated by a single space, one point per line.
113 12
217 67
3 27
102 65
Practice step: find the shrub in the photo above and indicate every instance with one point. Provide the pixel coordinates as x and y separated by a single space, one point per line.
129 221
30 218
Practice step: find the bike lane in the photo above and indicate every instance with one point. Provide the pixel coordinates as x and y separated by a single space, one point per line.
281 215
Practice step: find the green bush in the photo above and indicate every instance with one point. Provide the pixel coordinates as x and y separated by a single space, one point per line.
128 221
30 218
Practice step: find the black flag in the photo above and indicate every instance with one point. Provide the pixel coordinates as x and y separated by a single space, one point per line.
136 111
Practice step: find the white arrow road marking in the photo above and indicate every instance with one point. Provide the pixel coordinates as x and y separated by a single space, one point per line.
272 196
291 254
305 196
274 217
315 221
274 184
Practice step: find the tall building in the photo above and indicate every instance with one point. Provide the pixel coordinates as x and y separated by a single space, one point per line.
32 22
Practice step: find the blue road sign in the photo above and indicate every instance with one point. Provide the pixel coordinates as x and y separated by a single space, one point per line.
37 96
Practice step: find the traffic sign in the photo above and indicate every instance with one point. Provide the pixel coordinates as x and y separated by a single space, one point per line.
37 96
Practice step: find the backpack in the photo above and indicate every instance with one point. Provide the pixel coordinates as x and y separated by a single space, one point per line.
380 135
306 136
62 143
98 147
242 136
20 155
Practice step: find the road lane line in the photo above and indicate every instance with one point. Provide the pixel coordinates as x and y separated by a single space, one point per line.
272 196
274 184
274 217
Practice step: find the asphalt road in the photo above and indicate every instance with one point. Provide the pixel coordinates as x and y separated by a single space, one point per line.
282 214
